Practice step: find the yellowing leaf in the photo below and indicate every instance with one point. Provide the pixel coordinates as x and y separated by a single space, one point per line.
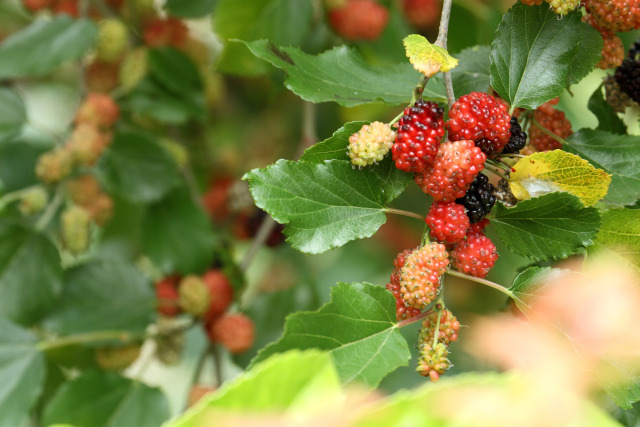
426 57
557 170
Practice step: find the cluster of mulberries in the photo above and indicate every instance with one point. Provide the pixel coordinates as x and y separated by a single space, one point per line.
626 81
207 298
433 349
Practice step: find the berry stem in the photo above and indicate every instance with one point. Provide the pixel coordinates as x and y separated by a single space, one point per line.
309 137
415 319
50 211
405 213
396 118
217 365
442 42
440 308
495 170
513 156
547 131
483 282
417 91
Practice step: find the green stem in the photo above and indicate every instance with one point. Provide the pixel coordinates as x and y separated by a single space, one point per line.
426 233
495 170
405 213
50 211
87 338
415 319
439 307
417 91
513 156
483 282
396 119
548 132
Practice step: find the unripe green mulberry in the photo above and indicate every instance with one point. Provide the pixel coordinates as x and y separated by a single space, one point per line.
75 223
112 40
433 361
134 67
177 151
117 358
562 7
194 295
370 144
54 165
33 200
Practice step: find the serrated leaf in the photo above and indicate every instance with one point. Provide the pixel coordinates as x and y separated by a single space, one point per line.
426 57
393 180
177 235
105 399
620 234
22 373
39 48
608 120
589 48
284 383
530 280
557 170
30 274
258 19
104 296
532 53
358 327
323 205
137 168
341 75
12 114
552 226
626 394
618 155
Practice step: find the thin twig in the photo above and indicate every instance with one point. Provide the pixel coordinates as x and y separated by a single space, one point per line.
217 365
309 137
50 211
405 213
86 338
442 42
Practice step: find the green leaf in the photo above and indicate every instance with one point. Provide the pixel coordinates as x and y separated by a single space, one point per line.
175 71
323 205
472 73
486 397
618 155
620 234
103 296
30 274
151 99
589 55
12 114
46 43
105 399
18 163
552 226
626 394
137 168
190 9
258 19
629 417
342 76
22 373
608 120
358 326
393 180
530 280
532 53
290 382
177 235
